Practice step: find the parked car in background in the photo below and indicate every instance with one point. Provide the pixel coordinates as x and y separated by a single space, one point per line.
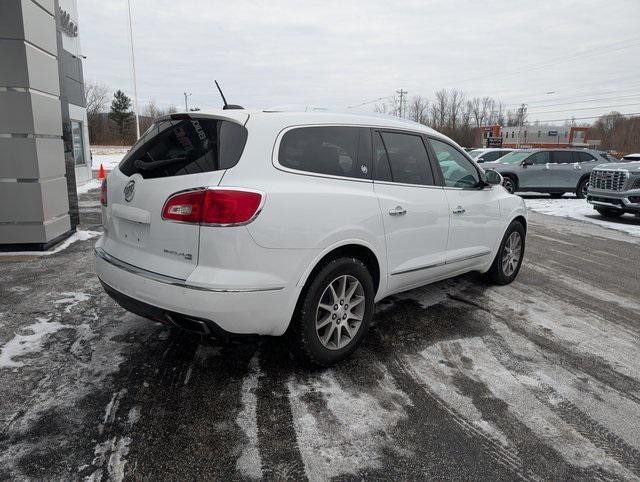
251 222
489 154
614 189
631 157
553 171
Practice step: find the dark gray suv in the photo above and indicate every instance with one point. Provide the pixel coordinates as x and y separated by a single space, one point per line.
553 171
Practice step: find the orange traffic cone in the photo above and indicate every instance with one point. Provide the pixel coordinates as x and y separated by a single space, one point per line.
101 173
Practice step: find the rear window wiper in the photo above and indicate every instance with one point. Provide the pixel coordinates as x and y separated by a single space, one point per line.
149 166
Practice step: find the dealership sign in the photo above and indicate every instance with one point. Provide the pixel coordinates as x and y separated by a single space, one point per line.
67 25
553 133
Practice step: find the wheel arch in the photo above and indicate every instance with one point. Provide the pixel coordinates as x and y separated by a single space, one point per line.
511 175
356 249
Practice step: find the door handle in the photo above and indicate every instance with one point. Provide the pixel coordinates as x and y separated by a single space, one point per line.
459 210
398 211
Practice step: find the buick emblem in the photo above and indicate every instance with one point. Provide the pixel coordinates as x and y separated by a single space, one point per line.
129 190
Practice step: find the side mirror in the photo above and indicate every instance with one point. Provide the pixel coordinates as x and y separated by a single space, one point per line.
480 159
527 163
492 177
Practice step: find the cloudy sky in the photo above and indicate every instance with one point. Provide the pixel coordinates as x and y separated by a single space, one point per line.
344 53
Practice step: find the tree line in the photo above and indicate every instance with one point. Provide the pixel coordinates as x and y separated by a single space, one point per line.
110 117
449 112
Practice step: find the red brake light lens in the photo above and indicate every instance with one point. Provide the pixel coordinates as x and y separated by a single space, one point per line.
103 192
213 206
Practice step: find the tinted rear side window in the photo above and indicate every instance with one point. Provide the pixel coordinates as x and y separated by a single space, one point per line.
332 150
561 157
185 146
408 158
583 157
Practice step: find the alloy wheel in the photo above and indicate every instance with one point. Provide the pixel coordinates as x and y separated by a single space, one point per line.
508 185
340 312
511 253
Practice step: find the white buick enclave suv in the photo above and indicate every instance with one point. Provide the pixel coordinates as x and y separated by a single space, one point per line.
253 222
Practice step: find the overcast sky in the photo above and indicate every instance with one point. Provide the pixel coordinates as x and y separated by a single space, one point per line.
343 53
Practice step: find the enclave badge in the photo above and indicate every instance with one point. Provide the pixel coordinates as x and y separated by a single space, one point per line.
129 190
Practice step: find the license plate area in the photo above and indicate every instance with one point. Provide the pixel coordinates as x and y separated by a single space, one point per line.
133 233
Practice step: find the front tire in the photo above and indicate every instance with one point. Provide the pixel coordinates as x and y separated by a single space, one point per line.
609 213
509 184
583 188
333 313
508 260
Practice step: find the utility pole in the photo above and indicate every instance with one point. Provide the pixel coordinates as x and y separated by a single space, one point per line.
402 94
523 112
186 105
135 81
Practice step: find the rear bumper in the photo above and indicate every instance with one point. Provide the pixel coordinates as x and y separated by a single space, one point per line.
256 311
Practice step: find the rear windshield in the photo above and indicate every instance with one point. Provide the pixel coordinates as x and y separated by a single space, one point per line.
177 147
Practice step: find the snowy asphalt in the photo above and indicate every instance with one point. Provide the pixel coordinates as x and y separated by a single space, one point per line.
536 380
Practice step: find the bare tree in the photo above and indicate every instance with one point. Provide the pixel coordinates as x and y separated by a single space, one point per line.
418 109
96 97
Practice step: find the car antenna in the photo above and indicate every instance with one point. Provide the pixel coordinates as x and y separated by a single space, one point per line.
226 105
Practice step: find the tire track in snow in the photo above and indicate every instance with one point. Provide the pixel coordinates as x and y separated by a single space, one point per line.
277 438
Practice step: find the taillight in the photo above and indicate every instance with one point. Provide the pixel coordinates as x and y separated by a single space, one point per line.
103 192
226 207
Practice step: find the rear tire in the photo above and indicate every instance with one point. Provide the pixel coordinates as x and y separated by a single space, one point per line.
582 189
609 213
556 195
325 329
508 260
509 184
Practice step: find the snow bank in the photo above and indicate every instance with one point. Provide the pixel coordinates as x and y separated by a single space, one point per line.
108 156
77 236
88 186
582 211
21 345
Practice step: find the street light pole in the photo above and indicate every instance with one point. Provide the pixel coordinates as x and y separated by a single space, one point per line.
135 81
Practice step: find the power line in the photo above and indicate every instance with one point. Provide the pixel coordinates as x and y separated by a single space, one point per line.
587 108
606 48
369 102
586 118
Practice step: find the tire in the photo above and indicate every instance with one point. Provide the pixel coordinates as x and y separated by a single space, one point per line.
498 273
583 186
556 195
509 184
609 213
322 331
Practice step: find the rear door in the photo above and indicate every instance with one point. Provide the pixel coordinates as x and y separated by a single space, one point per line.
414 210
176 154
563 172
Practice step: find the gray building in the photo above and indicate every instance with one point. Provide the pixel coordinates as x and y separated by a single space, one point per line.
44 145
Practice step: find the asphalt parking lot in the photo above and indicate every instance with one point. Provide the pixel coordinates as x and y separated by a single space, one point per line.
459 380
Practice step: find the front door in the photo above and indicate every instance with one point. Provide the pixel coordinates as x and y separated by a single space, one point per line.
474 212
414 210
535 171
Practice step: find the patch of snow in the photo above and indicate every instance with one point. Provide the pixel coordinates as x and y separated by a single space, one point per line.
79 235
88 186
72 299
582 211
249 463
354 432
108 156
21 345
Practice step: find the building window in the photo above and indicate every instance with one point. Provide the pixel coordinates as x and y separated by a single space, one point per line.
565 134
78 143
538 133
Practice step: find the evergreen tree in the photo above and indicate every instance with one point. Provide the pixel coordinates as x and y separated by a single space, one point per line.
121 114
